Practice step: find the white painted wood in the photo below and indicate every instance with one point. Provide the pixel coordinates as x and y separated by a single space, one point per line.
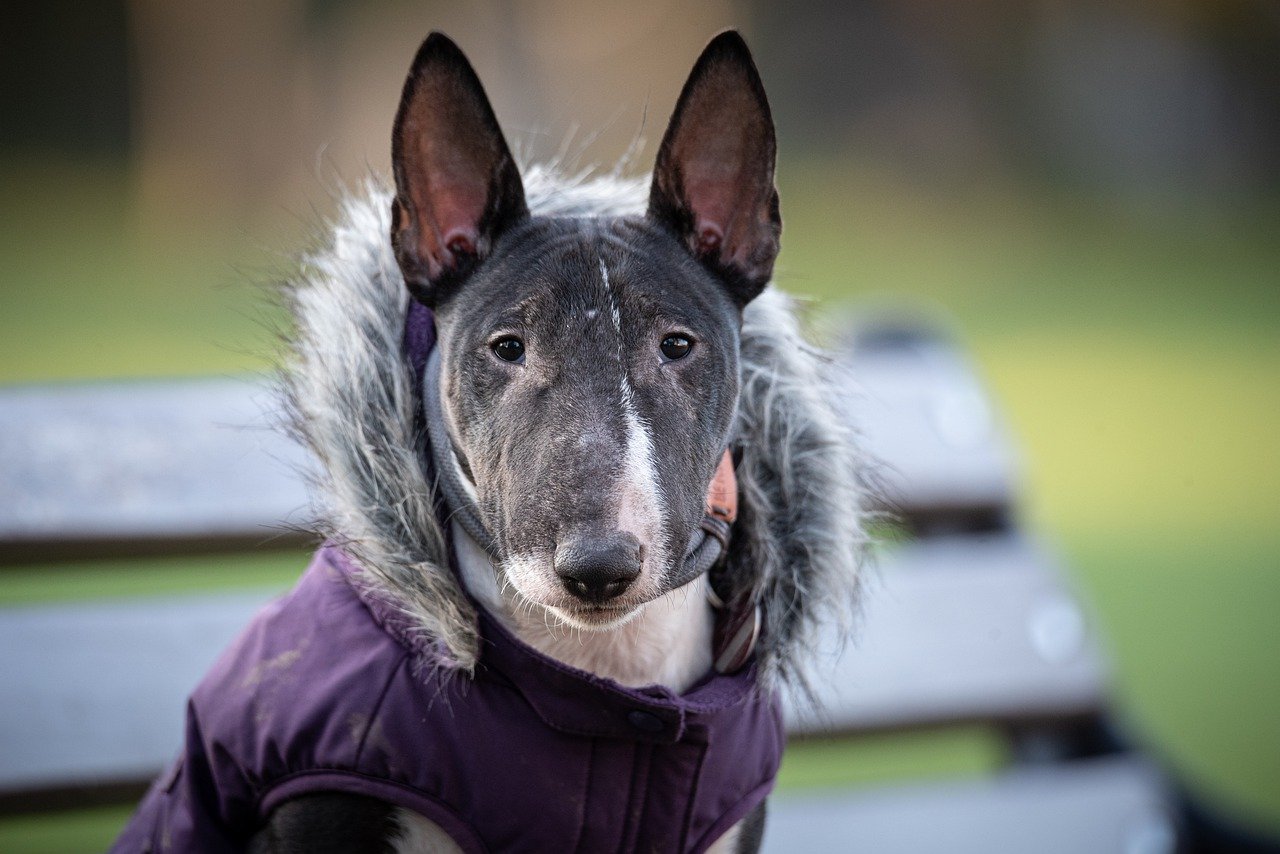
954 629
201 459
145 460
96 692
1098 806
963 628
927 419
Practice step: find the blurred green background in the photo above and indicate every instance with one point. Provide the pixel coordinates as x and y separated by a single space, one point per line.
1087 194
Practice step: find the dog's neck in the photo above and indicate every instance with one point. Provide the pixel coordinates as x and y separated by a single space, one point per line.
668 643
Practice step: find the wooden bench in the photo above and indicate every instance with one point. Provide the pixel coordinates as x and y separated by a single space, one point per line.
971 621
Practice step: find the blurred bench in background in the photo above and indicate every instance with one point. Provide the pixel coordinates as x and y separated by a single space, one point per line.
967 621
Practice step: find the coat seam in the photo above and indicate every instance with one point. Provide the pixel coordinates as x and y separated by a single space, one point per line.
693 796
377 707
586 796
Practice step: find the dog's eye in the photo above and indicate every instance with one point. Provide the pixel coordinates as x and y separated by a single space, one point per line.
509 349
676 347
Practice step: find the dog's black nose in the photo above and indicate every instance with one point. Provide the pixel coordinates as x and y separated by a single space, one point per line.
597 569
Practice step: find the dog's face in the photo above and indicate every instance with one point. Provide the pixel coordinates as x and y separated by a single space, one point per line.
590 378
589 367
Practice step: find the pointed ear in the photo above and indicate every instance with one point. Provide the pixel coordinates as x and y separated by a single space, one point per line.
713 181
457 186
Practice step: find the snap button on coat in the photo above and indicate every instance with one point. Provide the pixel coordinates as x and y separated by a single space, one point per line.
645 721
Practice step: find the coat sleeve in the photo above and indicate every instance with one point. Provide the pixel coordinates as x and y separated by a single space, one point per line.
290 695
202 803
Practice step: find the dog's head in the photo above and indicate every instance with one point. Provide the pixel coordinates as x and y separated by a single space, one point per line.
589 367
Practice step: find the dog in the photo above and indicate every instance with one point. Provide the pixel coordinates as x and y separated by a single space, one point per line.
587 495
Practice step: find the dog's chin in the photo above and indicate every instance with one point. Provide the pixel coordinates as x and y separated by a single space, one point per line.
595 618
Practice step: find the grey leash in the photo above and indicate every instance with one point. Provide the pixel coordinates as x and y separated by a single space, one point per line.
705 546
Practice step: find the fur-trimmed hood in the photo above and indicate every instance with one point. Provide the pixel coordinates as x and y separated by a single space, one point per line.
353 400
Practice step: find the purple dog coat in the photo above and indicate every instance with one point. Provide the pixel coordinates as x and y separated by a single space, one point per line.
326 691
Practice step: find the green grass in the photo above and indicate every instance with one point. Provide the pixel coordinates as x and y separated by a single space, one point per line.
1003 259
897 757
87 290
137 577
1137 364
1135 358
73 832
1192 630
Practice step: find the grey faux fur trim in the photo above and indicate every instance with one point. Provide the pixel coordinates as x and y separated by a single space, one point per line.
798 545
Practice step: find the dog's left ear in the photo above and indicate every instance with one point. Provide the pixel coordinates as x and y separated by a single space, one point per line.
457 185
713 182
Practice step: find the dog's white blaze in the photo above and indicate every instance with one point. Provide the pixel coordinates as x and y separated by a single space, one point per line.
640 495
640 499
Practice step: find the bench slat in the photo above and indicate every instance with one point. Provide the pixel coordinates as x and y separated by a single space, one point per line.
1098 806
928 421
127 462
961 628
97 691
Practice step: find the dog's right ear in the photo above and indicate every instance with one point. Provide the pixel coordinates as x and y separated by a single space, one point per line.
457 185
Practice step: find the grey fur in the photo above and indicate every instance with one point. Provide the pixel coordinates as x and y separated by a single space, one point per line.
800 543
798 546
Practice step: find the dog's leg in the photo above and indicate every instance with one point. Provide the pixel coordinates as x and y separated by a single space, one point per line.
744 837
727 844
338 823
418 835
328 823
751 830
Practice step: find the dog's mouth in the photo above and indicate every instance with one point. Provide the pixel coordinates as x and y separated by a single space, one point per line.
596 617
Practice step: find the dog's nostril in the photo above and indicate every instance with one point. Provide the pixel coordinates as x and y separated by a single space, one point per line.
597 569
